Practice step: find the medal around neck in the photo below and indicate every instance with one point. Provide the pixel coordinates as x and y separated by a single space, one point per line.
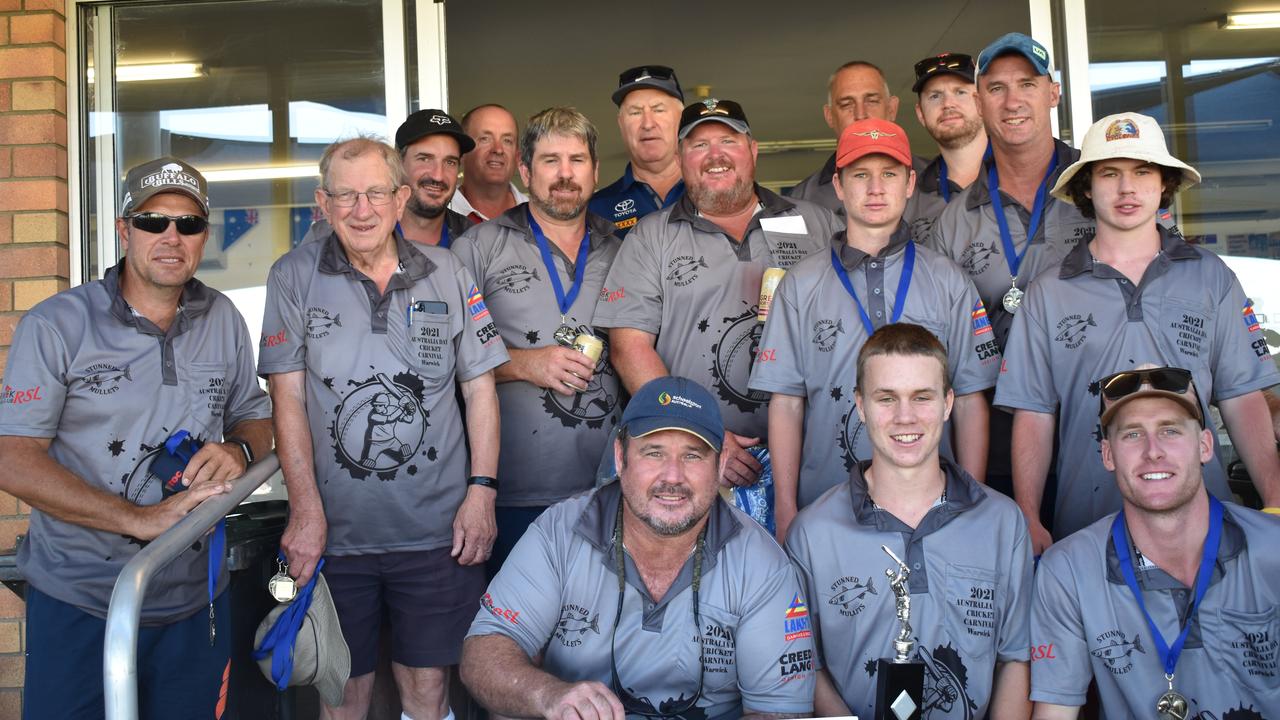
900 681
1013 299
1171 705
565 335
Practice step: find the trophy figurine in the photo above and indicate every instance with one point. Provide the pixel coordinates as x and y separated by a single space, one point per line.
900 681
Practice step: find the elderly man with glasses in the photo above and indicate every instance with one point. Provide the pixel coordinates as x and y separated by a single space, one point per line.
650 596
371 435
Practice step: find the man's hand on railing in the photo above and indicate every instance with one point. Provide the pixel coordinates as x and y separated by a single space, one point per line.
303 542
149 521
216 462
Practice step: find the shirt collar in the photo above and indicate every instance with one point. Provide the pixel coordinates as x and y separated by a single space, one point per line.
773 205
927 179
413 264
961 491
517 218
980 194
1172 246
1153 578
851 257
197 298
828 171
601 516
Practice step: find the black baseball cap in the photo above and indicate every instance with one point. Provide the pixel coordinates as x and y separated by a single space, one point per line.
726 111
432 122
675 403
658 77
164 175
948 63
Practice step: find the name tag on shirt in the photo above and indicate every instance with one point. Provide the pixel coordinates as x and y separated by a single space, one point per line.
792 225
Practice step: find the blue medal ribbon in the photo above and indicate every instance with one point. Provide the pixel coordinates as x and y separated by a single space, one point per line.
1011 256
1119 538
944 187
900 297
445 240
563 300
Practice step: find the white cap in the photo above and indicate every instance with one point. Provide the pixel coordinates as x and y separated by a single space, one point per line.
1127 135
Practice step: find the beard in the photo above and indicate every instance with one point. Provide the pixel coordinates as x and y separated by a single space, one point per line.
721 202
956 137
666 527
425 209
563 210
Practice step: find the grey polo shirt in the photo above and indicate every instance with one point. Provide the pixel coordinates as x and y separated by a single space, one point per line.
386 433
817 187
810 344
967 232
551 443
108 387
1087 320
970 580
557 594
680 277
1085 623
926 203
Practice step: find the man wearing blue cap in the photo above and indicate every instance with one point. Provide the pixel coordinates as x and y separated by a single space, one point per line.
649 596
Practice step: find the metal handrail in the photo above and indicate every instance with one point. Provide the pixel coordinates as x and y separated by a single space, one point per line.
124 613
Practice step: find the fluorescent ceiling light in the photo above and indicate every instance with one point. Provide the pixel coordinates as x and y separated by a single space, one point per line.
1250 21
263 172
159 71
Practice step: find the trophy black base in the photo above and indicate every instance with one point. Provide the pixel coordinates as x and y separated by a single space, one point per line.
899 690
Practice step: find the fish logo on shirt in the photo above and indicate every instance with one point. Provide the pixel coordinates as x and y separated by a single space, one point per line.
849 593
515 279
1072 329
684 269
574 623
825 332
105 378
320 322
1115 648
976 258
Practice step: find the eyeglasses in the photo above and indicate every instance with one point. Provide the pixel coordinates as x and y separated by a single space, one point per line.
945 61
154 222
1128 382
349 198
643 706
646 72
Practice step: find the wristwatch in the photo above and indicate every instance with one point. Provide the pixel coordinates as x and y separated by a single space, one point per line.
244 446
489 482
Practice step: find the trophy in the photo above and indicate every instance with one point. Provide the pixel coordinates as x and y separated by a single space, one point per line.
900 681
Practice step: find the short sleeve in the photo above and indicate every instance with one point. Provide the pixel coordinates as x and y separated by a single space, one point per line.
1060 665
798 550
479 346
1241 361
245 398
283 345
468 251
1026 376
635 281
523 599
761 647
971 345
1014 635
35 384
779 366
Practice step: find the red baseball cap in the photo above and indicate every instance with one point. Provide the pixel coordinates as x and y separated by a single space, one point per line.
866 137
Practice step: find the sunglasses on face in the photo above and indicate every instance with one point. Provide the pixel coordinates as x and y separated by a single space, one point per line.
948 61
1128 382
654 72
154 222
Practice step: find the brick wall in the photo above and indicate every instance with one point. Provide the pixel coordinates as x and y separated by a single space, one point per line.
33 232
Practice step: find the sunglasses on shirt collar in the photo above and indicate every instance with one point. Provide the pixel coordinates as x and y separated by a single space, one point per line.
154 222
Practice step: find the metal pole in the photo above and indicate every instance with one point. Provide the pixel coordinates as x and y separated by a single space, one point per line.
120 650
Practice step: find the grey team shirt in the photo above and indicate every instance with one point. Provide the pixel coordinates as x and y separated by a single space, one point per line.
926 203
680 277
967 232
386 433
1085 321
551 443
970 581
1085 623
811 342
108 388
817 188
557 594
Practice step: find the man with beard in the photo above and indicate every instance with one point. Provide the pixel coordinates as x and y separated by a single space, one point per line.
682 295
540 267
431 145
487 190
649 99
649 596
945 106
857 90
966 547
1169 606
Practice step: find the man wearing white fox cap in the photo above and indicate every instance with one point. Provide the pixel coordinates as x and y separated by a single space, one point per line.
1138 291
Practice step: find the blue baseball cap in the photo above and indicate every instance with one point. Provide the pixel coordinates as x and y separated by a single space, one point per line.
675 403
1014 42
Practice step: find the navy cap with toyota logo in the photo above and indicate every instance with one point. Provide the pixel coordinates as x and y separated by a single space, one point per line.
164 175
432 122
675 403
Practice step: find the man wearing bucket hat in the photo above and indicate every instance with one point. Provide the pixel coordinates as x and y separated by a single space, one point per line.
682 296
871 275
99 378
1136 291
1169 605
649 596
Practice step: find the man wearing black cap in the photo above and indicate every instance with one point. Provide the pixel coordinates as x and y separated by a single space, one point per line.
650 596
946 108
649 99
100 378
682 296
431 144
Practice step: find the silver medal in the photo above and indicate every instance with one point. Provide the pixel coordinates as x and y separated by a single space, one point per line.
565 335
1171 706
1013 299
281 586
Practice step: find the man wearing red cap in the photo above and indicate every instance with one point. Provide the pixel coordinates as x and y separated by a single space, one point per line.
829 304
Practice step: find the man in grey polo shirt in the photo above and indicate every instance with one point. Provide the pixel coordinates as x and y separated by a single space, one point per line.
682 295
1137 291
99 377
829 304
947 109
966 547
857 90
1174 561
541 266
371 440
649 596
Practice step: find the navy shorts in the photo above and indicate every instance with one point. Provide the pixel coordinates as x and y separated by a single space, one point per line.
428 597
179 674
